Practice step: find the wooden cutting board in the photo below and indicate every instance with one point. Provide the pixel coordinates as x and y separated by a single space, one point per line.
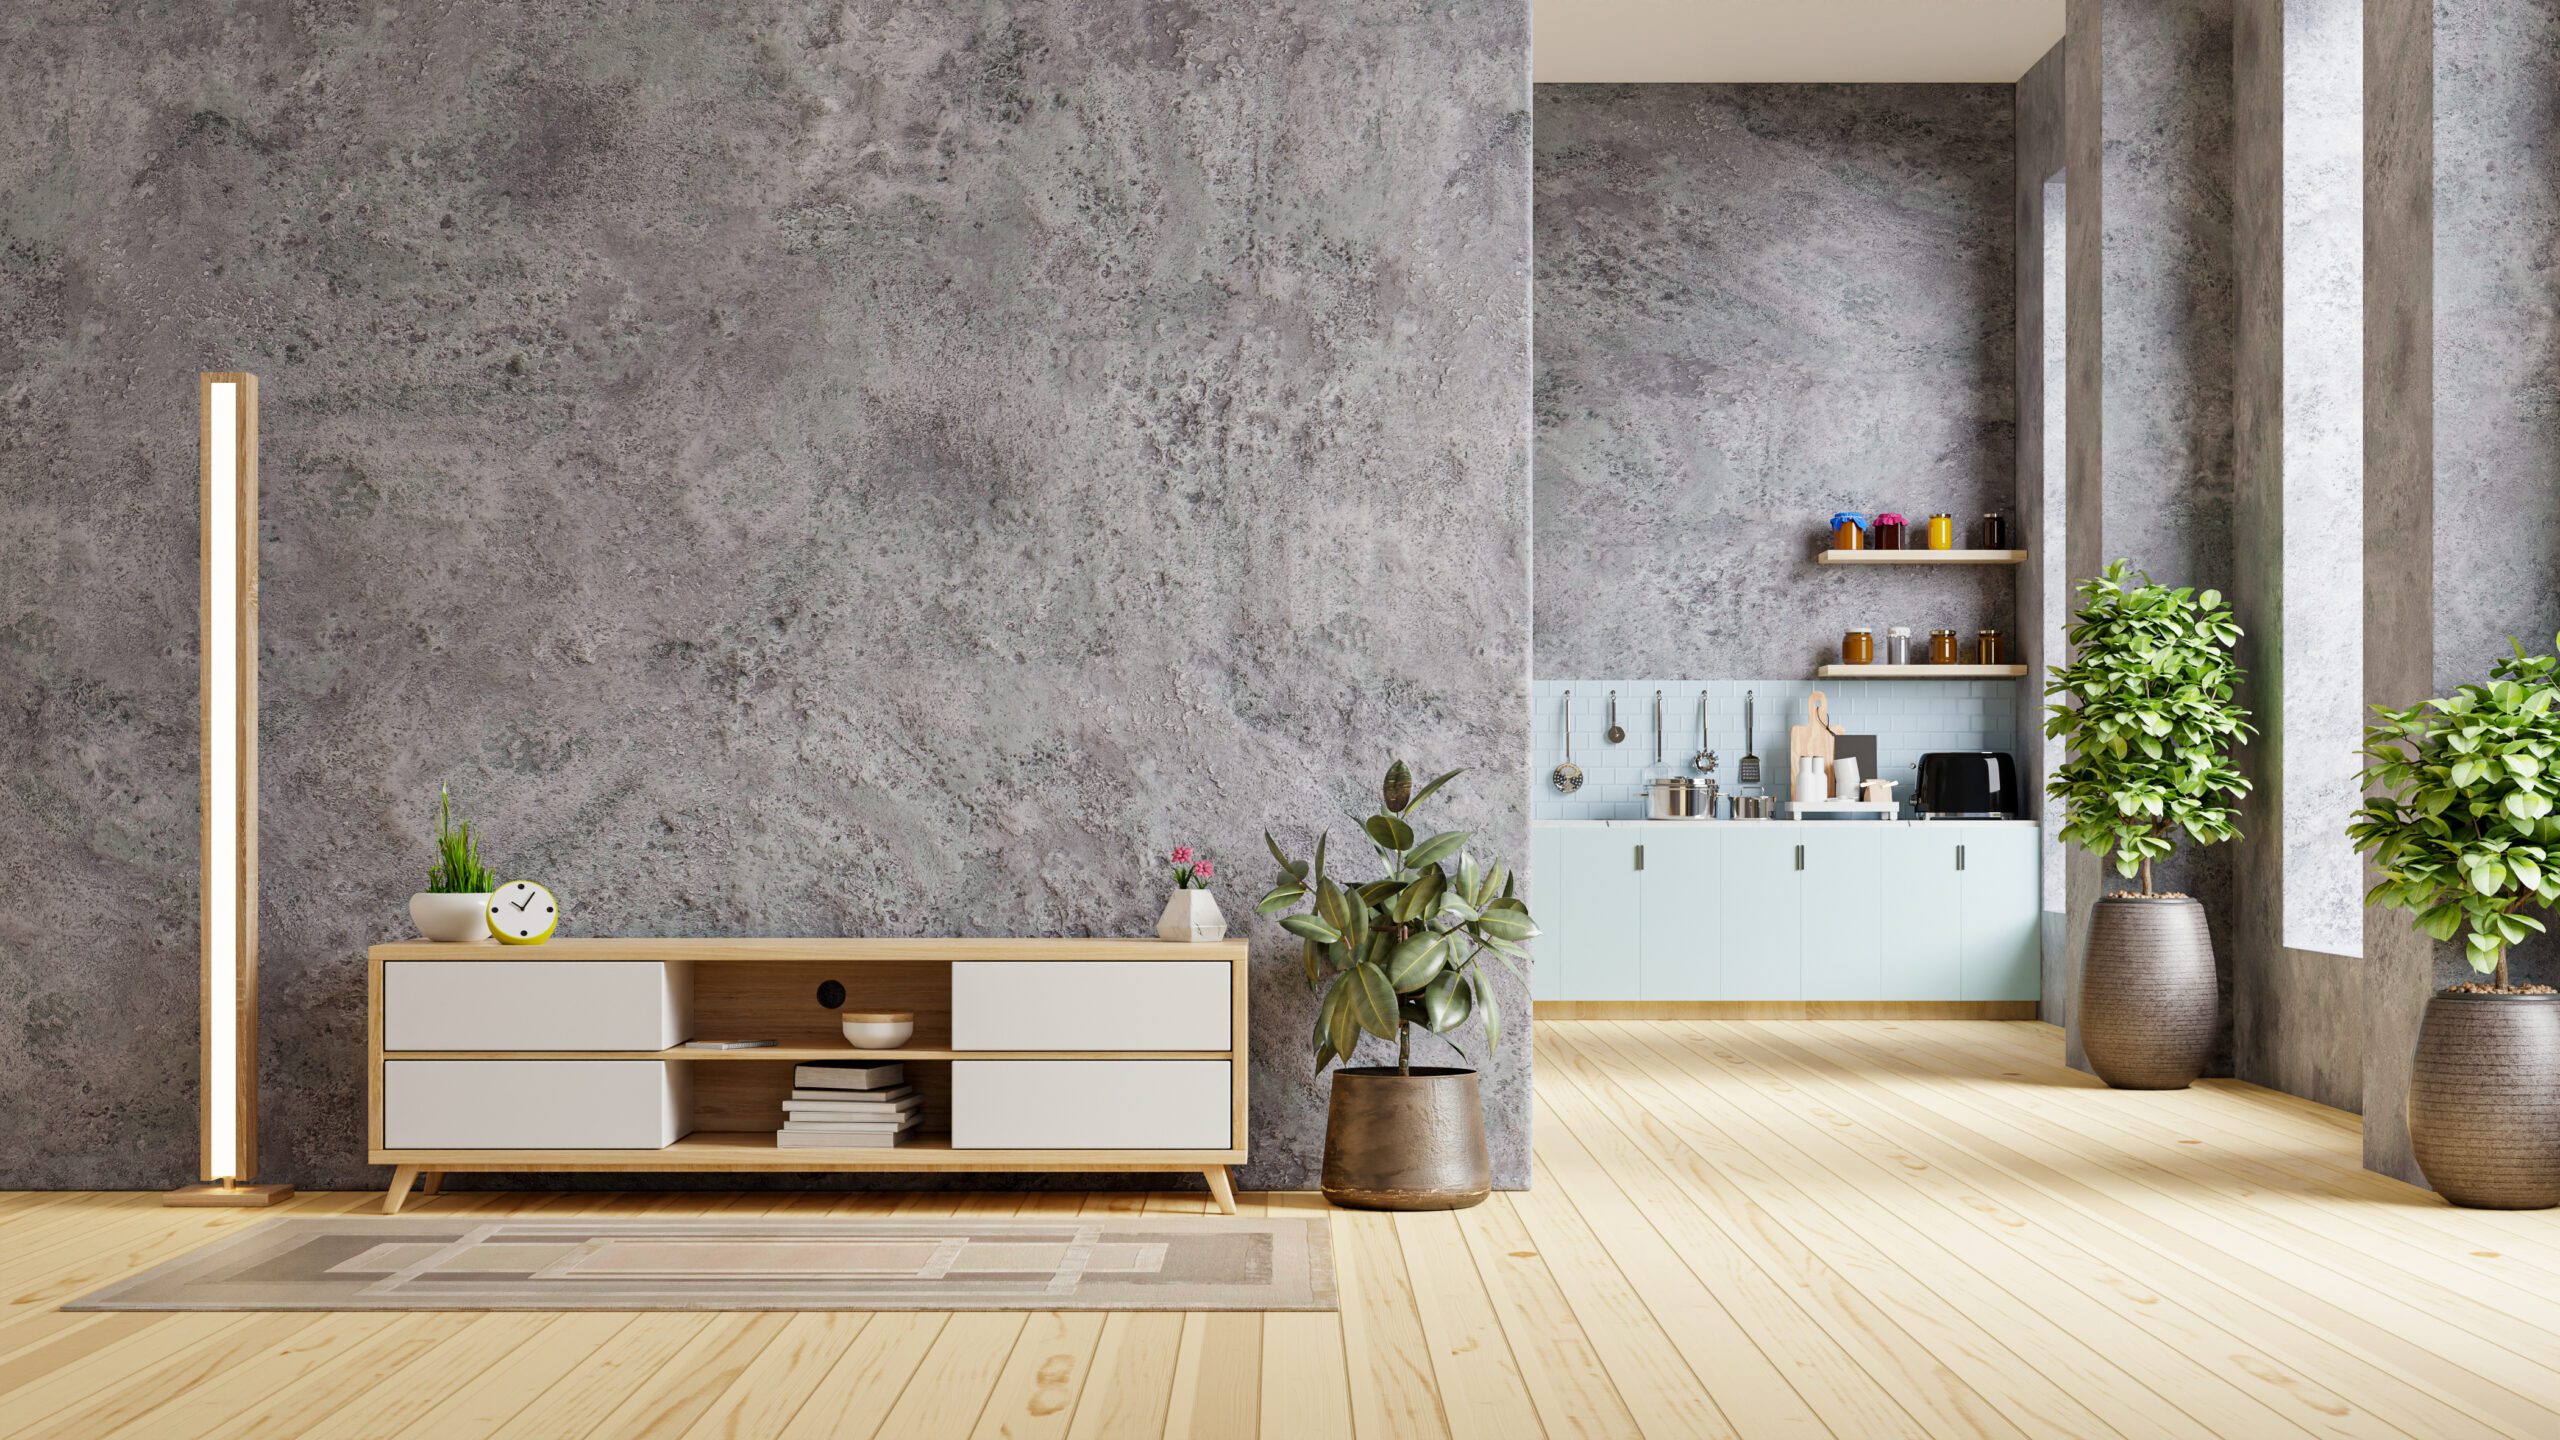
1816 737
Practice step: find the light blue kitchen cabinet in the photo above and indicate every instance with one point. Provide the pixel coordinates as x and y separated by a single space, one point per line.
1601 883
1841 954
2003 889
1762 954
1922 892
1550 954
1679 910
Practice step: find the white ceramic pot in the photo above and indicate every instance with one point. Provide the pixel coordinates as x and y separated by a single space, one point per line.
1191 918
878 1029
452 918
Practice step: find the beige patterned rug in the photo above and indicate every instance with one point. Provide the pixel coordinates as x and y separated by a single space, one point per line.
349 1263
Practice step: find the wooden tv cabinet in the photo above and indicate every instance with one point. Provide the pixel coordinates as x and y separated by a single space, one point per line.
1030 1055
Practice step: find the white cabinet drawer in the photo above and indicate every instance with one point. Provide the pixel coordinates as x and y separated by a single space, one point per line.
1091 1005
1091 1104
534 1104
535 1005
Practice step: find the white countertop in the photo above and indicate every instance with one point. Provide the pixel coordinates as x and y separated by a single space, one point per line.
1785 820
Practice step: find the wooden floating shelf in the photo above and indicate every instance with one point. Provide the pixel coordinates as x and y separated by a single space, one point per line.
1921 557
1922 672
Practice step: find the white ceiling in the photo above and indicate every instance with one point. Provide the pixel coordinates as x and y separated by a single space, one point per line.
1730 41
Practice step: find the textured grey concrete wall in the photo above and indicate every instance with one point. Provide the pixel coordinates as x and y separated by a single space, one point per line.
2044 592
2461 518
794 469
2148 94
1758 305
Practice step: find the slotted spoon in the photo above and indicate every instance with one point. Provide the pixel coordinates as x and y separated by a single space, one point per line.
1568 776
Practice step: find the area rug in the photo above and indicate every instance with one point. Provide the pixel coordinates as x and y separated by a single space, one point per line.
1071 1263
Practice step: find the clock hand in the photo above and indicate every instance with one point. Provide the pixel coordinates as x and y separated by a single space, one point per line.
524 902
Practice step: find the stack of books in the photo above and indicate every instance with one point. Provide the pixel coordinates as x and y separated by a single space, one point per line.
848 1104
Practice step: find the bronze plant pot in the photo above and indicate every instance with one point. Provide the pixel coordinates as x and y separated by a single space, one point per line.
1406 1142
2484 1100
2147 993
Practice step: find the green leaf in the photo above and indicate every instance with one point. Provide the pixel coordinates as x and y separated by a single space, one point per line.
1390 832
1417 960
1333 906
1446 1002
1310 927
1280 899
1373 1000
1436 849
1483 990
1291 868
1341 1017
1505 925
1427 791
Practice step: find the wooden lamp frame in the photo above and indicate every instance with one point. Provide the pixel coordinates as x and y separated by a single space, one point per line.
227 893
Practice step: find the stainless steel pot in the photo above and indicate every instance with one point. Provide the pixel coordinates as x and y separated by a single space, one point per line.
1750 807
1680 797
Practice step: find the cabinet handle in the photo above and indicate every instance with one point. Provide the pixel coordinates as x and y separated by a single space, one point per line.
1639 857
1799 857
1959 857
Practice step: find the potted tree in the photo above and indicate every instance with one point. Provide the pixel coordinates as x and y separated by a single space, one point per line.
2145 709
1389 956
2461 833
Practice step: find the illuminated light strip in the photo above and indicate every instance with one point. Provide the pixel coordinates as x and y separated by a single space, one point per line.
221 759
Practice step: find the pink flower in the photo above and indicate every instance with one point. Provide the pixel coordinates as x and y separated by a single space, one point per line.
1204 870
1181 854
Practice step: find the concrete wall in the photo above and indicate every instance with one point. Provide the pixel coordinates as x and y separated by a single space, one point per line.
792 468
2044 582
1758 305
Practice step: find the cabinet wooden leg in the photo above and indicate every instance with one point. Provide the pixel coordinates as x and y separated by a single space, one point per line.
1222 1188
402 1177
432 1184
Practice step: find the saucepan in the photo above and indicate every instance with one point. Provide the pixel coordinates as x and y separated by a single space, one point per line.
1680 797
1750 807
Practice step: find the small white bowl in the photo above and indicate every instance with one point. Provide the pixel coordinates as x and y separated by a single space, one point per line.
878 1029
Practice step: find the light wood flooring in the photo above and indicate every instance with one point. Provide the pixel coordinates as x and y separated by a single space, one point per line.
1850 1229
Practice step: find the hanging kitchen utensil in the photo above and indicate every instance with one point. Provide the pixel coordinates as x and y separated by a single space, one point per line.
1568 776
1747 773
1657 727
1616 732
1706 761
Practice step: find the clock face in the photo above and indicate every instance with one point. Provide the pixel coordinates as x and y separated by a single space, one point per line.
522 913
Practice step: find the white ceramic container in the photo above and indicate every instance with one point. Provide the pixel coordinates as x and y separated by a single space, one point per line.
1191 917
878 1029
454 919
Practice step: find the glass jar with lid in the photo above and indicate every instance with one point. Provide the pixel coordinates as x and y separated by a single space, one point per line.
1897 645
1858 647
1942 532
1990 647
1890 528
1942 647
1848 531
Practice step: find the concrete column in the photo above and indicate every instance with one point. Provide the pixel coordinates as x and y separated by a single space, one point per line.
2147 94
2462 442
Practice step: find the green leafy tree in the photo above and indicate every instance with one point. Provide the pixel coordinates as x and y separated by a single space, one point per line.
1406 949
2145 709
2460 827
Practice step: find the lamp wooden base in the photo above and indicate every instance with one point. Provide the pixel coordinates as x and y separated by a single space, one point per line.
228 1195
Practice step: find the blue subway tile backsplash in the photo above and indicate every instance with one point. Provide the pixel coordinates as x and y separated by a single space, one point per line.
1907 717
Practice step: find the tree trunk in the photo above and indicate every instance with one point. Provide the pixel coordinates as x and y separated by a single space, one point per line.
2146 877
2502 969
1404 1047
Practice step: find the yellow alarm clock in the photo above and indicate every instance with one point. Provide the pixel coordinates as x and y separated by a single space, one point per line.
522 913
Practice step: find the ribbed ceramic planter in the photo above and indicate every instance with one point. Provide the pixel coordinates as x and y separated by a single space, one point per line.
2147 993
2484 1100
1406 1142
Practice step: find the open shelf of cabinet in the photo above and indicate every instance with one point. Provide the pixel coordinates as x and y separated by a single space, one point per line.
1921 557
1921 672
1028 1054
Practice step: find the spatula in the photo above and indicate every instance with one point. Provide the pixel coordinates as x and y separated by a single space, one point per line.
1746 771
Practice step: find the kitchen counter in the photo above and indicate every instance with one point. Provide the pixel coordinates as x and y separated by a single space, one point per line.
1783 820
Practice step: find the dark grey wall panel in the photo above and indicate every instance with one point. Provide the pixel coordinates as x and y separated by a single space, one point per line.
1759 304
793 468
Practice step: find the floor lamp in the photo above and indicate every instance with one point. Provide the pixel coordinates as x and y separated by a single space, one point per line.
227 634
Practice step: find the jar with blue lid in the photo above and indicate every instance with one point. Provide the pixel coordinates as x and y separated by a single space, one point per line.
1848 531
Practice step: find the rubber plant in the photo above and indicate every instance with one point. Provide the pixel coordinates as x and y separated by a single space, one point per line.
1406 950
2146 711
2460 825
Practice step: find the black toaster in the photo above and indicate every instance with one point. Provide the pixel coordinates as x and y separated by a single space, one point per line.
1969 785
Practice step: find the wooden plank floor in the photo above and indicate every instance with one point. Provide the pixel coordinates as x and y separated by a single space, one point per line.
1849 1229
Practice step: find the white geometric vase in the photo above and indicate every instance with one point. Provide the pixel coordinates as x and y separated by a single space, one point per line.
1191 918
